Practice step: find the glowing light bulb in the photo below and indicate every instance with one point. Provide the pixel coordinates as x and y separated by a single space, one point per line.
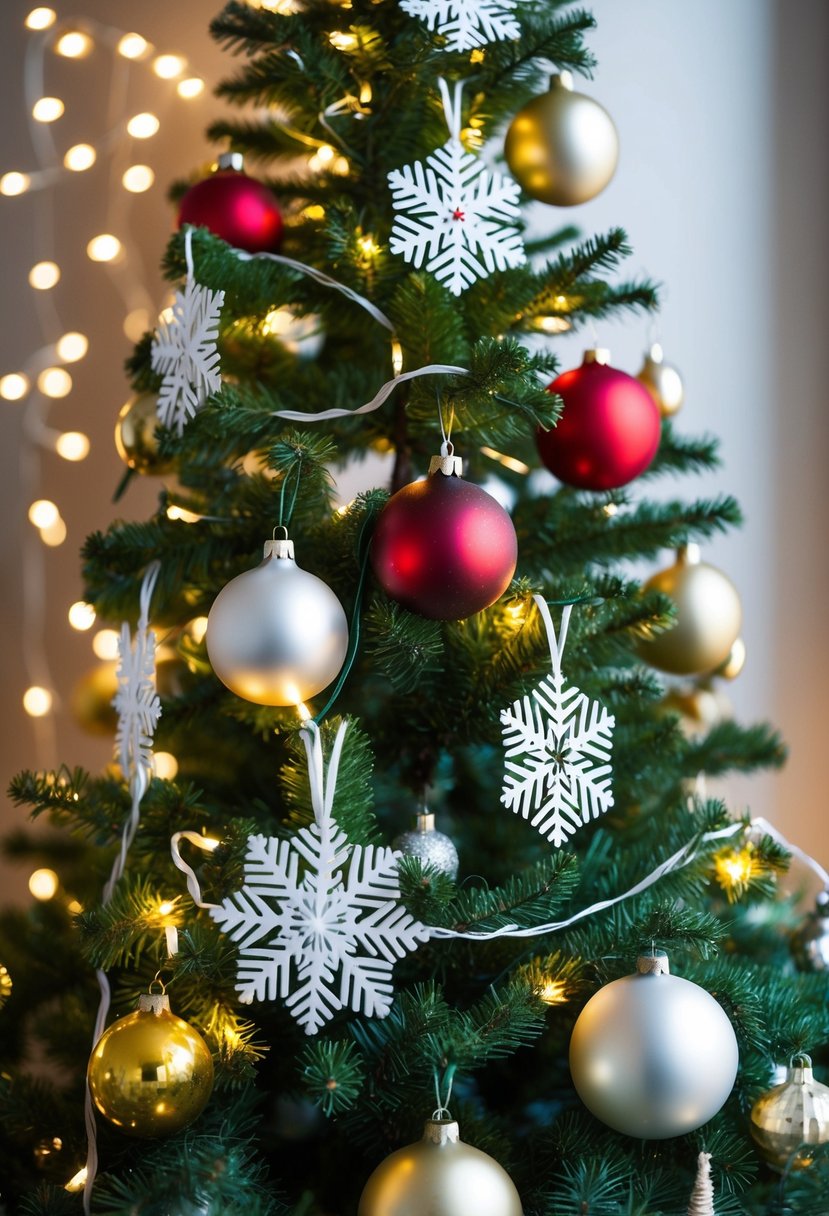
342 40
553 992
81 616
14 183
37 701
44 275
165 766
136 324
77 1182
105 644
396 357
167 67
278 321
368 245
191 87
72 347
43 884
341 166
47 109
54 382
166 906
40 19
610 509
181 513
552 325
365 93
55 534
198 628
133 46
143 126
79 157
13 386
103 248
303 711
138 178
43 513
72 445
73 45
325 154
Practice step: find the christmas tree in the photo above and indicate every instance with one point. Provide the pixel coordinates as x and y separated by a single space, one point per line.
337 974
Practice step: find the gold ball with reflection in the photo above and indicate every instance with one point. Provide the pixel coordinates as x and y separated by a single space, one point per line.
792 1116
562 147
135 436
662 380
150 1073
708 617
442 1176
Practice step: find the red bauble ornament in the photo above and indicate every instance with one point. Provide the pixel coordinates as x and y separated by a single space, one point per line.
443 547
233 206
609 430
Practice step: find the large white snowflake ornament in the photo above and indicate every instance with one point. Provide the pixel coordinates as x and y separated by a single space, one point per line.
455 215
184 350
466 24
136 701
558 743
323 937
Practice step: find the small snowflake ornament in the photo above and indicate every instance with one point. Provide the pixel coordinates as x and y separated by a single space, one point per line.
184 350
455 215
136 702
558 742
466 24
319 922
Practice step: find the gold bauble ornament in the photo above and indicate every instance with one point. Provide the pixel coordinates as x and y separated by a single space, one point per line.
439 1176
91 699
150 1073
135 436
5 985
662 380
562 147
791 1116
701 707
708 617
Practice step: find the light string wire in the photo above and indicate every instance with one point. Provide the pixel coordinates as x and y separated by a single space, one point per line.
139 776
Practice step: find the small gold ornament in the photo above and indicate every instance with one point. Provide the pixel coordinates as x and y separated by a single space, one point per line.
562 147
708 617
5 985
150 1073
135 436
792 1116
662 380
442 1176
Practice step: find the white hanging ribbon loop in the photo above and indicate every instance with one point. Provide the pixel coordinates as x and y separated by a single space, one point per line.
556 644
188 252
201 842
452 105
323 786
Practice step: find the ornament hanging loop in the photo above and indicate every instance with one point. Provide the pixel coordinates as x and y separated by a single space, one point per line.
442 1111
162 987
452 105
556 643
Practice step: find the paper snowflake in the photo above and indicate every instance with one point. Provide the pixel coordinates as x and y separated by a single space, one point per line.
136 701
466 24
298 933
557 770
456 216
184 352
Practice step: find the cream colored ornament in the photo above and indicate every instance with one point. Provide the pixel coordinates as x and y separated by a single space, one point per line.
708 617
662 380
702 1196
792 1116
562 147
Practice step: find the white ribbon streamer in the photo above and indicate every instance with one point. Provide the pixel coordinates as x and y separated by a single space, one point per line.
431 369
452 105
556 644
763 825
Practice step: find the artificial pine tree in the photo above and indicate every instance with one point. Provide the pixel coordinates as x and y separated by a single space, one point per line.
299 1121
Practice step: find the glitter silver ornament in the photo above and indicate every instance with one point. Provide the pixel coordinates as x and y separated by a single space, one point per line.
653 1055
277 635
792 1115
810 943
431 846
441 1176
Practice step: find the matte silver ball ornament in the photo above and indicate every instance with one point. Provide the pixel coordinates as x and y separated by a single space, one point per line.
427 843
277 635
653 1055
439 1176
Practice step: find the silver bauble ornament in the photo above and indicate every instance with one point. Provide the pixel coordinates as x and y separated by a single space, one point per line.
431 846
708 617
439 1176
792 1115
653 1055
562 147
662 381
810 944
277 635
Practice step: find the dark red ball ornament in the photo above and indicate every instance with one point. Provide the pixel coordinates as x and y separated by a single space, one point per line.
233 206
609 430
443 547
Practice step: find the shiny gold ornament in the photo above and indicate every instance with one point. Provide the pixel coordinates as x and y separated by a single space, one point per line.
91 700
701 707
708 617
150 1073
441 1176
135 436
810 944
792 1116
5 985
562 147
662 380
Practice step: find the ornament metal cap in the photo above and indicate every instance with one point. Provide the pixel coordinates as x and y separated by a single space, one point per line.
154 1002
279 547
690 554
653 964
597 354
230 160
562 80
800 1071
655 354
441 1131
450 466
424 821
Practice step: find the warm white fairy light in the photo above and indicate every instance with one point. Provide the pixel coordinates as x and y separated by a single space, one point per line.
74 44
77 1182
81 616
133 46
182 514
40 19
79 157
509 462
167 67
137 178
13 386
47 109
72 445
103 248
143 126
43 884
105 644
37 701
14 183
165 766
198 629
55 534
343 41
43 513
72 347
136 324
191 87
55 382
44 275
325 154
